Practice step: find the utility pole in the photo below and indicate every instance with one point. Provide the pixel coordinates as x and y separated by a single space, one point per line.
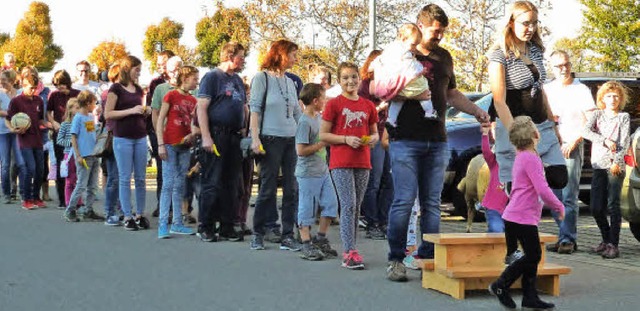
372 24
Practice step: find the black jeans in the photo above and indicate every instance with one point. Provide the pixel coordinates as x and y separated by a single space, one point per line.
527 265
280 154
60 181
153 139
219 182
605 199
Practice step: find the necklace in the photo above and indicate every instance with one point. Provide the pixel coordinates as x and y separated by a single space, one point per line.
282 92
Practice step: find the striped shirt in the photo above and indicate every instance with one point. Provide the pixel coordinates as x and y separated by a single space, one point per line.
517 75
64 136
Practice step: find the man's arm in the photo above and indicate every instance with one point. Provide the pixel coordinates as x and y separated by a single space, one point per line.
457 100
203 121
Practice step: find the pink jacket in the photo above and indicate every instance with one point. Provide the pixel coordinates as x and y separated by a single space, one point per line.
495 198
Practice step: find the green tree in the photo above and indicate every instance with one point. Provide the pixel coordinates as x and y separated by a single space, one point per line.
4 37
107 53
32 43
166 32
581 59
307 56
611 30
212 32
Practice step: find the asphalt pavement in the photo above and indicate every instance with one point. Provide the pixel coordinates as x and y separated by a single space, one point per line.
48 264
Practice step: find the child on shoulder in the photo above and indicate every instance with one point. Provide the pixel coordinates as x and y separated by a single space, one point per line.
83 141
608 130
314 182
522 215
349 126
398 72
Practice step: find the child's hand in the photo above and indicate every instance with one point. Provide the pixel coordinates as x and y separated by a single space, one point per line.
353 142
136 110
610 144
162 152
615 169
485 128
373 139
561 214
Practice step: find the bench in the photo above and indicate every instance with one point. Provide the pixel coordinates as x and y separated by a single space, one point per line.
472 261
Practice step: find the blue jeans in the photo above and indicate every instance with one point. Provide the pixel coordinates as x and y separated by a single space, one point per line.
418 168
569 197
131 157
34 161
111 189
174 177
9 146
375 204
495 224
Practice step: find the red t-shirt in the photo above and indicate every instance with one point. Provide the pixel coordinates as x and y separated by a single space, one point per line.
34 107
351 118
181 107
58 103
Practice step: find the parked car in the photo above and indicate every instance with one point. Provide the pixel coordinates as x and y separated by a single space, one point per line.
464 137
630 198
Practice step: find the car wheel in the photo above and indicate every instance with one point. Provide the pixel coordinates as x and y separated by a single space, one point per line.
635 229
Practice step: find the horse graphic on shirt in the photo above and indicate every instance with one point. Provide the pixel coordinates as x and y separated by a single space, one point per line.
357 116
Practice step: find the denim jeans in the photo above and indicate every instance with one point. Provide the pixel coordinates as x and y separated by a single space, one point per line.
219 182
34 161
86 184
375 205
569 197
280 153
418 168
605 200
175 175
111 189
9 147
495 224
131 157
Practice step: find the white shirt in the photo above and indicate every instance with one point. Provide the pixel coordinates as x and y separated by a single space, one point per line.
569 103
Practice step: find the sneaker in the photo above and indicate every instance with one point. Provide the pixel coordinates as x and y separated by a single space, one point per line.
39 203
188 219
7 200
362 223
611 252
156 212
352 260
567 248
112 221
273 235
376 233
207 236
508 260
323 244
396 272
503 296
71 216
231 234
311 252
181 229
553 247
245 230
90 215
600 248
28 205
412 262
130 225
163 231
290 244
143 222
257 242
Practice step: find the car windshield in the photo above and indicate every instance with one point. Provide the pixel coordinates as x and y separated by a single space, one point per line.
483 102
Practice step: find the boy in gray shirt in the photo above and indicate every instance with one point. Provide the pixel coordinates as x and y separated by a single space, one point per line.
314 182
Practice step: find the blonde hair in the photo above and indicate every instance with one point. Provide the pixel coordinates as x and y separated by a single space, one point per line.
315 69
409 31
86 98
522 132
613 87
186 72
507 42
68 116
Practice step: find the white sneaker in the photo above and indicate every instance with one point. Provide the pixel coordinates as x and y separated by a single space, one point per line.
411 262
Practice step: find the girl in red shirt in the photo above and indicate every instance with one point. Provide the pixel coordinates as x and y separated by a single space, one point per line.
174 140
349 125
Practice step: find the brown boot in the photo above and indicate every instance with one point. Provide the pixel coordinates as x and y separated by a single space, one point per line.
611 252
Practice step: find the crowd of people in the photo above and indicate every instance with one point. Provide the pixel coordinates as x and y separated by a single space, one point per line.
372 148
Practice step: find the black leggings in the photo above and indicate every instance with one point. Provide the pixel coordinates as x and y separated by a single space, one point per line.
527 266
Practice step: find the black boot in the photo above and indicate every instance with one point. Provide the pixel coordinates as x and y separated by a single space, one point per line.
530 299
503 295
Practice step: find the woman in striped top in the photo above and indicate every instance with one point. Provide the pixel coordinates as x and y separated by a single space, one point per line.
516 74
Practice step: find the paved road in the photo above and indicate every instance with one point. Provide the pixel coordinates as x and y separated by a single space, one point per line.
48 264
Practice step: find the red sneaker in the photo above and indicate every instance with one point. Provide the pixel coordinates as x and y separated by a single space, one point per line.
39 203
28 205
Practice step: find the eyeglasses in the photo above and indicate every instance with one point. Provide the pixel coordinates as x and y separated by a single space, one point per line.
83 70
530 24
567 65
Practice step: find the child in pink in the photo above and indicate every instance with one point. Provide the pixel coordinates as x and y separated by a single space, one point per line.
495 199
530 191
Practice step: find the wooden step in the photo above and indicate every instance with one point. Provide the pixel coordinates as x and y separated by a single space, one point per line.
480 272
476 238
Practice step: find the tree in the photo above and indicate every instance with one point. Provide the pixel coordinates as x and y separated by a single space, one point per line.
308 55
611 30
107 53
581 59
224 26
4 37
32 43
168 33
344 23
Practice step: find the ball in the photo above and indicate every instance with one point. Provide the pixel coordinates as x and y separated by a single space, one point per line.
20 120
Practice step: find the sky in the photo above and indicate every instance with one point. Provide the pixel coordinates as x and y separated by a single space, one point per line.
80 25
